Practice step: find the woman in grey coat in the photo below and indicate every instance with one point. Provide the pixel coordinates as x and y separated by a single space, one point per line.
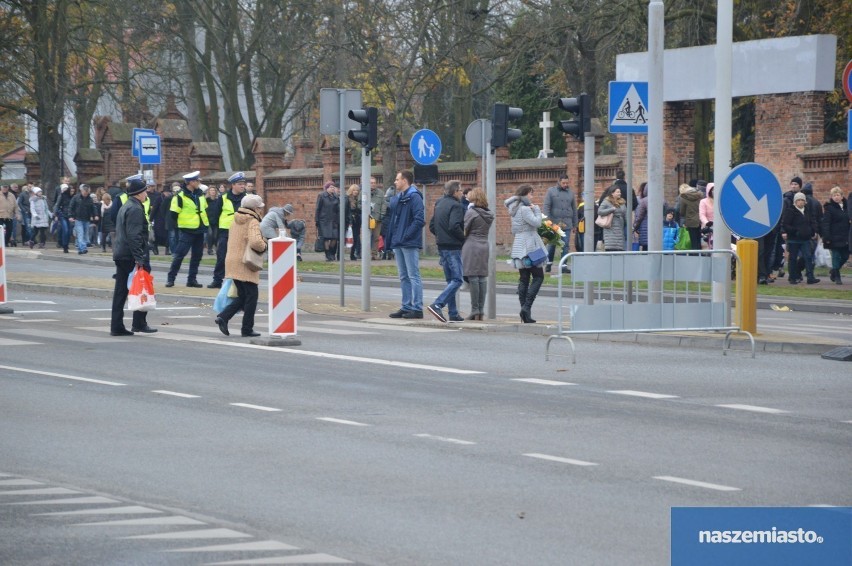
526 218
613 236
474 253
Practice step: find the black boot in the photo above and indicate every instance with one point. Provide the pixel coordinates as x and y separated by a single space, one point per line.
834 274
532 292
523 285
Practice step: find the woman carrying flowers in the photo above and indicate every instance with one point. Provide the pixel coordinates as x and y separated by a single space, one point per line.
526 220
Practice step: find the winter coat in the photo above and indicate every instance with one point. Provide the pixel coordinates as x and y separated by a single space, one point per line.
640 221
63 205
705 211
8 205
378 205
272 222
245 231
477 223
835 225
83 208
159 217
799 225
327 216
107 223
560 205
526 218
447 223
40 212
688 209
24 203
131 234
613 237
407 217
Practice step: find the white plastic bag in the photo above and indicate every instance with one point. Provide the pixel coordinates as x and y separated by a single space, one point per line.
350 239
822 256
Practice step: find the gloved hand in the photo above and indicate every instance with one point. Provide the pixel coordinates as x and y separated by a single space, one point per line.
145 266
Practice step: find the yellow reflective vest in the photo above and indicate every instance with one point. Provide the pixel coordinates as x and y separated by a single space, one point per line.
226 217
191 210
146 205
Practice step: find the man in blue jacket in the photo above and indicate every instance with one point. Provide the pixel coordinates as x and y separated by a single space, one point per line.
405 238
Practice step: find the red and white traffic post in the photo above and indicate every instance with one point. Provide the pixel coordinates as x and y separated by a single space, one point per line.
282 292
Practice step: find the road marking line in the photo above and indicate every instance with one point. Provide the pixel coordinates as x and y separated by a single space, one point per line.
186 316
41 491
258 407
13 342
292 351
127 510
67 501
90 310
175 394
239 547
174 520
643 394
695 483
291 559
338 331
33 312
33 302
43 334
195 534
560 459
446 439
754 408
63 376
38 320
542 381
4 483
848 422
341 421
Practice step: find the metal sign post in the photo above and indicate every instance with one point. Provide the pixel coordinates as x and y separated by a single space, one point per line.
491 194
366 233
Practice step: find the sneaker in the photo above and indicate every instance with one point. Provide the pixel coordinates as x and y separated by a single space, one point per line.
436 312
397 314
412 314
456 318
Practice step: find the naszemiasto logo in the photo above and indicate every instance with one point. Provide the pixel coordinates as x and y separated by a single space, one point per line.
773 536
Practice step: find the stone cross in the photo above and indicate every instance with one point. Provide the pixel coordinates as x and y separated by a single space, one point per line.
545 126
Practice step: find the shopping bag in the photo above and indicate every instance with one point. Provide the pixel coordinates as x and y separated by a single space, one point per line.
683 242
223 299
350 240
822 256
141 291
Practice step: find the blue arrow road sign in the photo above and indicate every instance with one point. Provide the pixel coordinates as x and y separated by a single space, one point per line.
425 147
750 200
149 150
134 150
628 107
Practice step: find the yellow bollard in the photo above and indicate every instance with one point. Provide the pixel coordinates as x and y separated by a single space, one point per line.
746 309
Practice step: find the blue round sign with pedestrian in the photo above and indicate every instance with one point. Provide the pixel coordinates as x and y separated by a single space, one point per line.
750 200
425 147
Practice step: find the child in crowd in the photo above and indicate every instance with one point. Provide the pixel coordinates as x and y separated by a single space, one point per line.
670 227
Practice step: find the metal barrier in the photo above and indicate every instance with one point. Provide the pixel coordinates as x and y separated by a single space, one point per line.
663 291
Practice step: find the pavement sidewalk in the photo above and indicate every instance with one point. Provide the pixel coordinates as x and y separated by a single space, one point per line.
21 282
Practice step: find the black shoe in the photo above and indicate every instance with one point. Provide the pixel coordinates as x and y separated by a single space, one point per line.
762 281
435 311
794 281
397 314
456 318
813 280
412 314
215 285
65 250
565 269
223 326
144 329
122 332
250 334
195 284
170 283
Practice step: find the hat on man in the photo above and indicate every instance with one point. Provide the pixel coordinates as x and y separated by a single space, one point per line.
327 185
135 185
238 177
288 209
194 176
797 180
800 196
251 201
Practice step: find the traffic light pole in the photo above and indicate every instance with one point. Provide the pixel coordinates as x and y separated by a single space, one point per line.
491 194
366 233
589 199
341 242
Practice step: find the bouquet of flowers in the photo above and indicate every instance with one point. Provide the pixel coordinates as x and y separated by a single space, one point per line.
551 234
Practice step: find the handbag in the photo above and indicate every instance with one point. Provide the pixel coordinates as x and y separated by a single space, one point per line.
537 257
253 260
604 221
318 245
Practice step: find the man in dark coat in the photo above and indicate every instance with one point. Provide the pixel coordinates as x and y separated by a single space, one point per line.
130 250
448 226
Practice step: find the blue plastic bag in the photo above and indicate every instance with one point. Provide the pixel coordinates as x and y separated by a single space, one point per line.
222 299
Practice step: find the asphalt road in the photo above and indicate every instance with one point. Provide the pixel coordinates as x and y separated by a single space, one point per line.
380 443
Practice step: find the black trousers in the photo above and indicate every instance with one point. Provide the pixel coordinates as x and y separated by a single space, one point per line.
123 269
187 242
221 252
247 301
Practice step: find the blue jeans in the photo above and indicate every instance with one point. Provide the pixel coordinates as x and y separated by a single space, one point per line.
81 233
64 232
566 248
452 264
794 249
408 264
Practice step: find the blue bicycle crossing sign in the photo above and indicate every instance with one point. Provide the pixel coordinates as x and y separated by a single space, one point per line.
425 147
628 107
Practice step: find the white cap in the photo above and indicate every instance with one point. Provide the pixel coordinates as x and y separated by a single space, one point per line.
194 176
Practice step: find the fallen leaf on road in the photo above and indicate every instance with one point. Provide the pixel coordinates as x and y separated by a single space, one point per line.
781 309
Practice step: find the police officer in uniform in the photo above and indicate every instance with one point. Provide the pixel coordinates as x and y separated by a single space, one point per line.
229 203
189 210
130 250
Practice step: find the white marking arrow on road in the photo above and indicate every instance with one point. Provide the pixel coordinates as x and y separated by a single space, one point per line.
758 210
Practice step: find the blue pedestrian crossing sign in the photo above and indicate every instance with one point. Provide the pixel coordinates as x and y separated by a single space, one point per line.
750 200
425 147
628 107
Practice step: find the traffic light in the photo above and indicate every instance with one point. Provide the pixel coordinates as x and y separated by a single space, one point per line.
582 108
367 134
501 134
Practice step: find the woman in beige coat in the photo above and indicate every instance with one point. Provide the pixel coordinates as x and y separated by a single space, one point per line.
244 232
